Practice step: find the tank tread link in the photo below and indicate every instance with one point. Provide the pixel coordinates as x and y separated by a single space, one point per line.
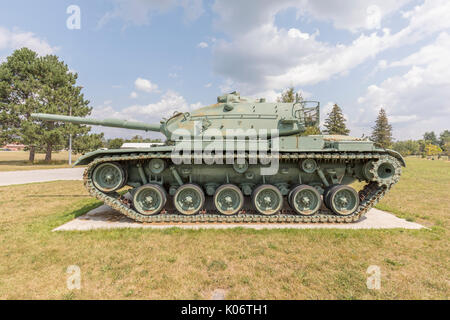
369 195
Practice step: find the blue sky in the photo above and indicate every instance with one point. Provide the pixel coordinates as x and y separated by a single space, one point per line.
144 59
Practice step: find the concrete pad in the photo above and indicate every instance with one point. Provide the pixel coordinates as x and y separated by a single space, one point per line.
31 176
105 217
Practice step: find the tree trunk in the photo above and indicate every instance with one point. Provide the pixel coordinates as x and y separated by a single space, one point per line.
48 153
32 152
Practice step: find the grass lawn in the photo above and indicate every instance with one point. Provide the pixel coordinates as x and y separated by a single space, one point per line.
18 160
247 264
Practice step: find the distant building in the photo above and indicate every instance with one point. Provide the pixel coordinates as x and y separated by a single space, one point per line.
14 147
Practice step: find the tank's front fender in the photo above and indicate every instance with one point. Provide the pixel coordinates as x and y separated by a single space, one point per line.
397 155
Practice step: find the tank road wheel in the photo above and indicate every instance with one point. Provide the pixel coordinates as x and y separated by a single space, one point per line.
149 199
267 199
343 200
108 177
326 195
228 199
189 199
290 193
305 200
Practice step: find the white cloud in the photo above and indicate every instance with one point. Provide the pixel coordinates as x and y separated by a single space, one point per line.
295 33
145 85
399 119
139 12
417 100
133 95
16 39
260 56
227 86
269 95
208 85
272 58
351 15
106 111
237 16
202 45
169 103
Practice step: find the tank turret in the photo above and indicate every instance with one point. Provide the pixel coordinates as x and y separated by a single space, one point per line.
230 112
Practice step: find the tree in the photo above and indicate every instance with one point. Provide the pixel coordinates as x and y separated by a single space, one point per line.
288 96
432 150
87 143
335 123
431 138
406 148
29 84
444 141
382 131
18 87
311 131
115 143
140 139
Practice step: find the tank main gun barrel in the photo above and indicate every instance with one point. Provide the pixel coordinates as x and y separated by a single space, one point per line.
115 123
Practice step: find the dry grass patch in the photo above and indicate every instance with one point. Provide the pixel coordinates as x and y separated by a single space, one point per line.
423 193
246 264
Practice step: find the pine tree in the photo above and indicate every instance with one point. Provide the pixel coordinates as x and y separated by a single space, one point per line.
115 143
30 84
382 131
335 123
287 96
88 143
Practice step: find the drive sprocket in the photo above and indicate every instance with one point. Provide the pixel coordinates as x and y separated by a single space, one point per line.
385 171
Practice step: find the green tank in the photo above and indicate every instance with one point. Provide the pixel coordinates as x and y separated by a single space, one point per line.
240 161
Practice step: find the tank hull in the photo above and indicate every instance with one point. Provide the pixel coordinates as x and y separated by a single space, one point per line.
323 163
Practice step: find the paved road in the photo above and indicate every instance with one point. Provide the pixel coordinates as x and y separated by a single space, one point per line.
21 177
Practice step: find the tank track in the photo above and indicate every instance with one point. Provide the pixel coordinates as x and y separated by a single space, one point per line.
369 195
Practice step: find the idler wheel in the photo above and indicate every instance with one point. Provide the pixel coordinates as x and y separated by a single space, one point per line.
108 177
343 200
189 199
149 199
305 200
228 199
267 199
